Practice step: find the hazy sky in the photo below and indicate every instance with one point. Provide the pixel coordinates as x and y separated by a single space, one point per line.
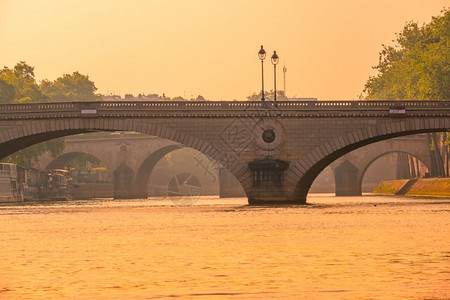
207 47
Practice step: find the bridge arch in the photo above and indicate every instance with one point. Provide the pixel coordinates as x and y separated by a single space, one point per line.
41 130
422 159
349 170
29 138
146 168
302 174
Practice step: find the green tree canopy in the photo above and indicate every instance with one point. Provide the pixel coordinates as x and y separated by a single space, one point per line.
200 98
74 87
268 95
417 67
19 85
178 98
25 156
7 91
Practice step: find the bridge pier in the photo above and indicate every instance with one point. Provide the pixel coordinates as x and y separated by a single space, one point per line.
269 186
269 196
123 180
346 177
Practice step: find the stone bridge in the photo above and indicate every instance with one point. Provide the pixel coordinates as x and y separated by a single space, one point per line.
275 151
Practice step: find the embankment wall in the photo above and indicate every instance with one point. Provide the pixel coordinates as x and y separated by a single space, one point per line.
423 187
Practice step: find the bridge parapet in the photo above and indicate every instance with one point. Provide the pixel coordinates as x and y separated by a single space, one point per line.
223 109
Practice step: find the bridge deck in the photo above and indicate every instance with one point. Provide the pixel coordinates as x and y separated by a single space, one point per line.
222 109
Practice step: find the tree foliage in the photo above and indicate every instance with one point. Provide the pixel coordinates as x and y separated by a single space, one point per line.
268 95
7 91
200 98
82 161
74 87
27 156
417 67
18 85
178 98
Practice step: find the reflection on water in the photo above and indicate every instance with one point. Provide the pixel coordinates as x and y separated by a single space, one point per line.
337 248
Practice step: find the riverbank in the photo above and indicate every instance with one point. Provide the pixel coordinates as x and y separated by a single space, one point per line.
422 187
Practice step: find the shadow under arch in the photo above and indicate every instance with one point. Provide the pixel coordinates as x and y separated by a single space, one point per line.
363 172
325 181
303 173
25 141
146 168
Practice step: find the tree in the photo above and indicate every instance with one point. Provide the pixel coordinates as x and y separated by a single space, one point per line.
19 85
22 69
417 67
178 98
74 87
268 95
7 92
27 156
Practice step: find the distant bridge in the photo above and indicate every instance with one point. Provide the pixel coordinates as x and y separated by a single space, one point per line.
142 152
137 152
275 152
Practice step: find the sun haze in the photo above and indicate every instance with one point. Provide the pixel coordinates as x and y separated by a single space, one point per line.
208 48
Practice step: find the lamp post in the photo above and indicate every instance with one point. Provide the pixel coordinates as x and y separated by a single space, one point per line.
262 56
275 60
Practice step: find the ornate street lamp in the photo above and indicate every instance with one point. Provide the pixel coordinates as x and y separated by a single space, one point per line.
275 60
262 56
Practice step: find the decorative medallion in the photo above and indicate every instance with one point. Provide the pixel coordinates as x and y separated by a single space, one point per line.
269 134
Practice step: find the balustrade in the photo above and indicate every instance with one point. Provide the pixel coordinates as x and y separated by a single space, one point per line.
223 108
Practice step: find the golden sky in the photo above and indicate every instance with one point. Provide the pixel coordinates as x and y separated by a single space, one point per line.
207 47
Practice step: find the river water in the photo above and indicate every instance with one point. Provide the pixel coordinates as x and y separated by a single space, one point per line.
370 247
